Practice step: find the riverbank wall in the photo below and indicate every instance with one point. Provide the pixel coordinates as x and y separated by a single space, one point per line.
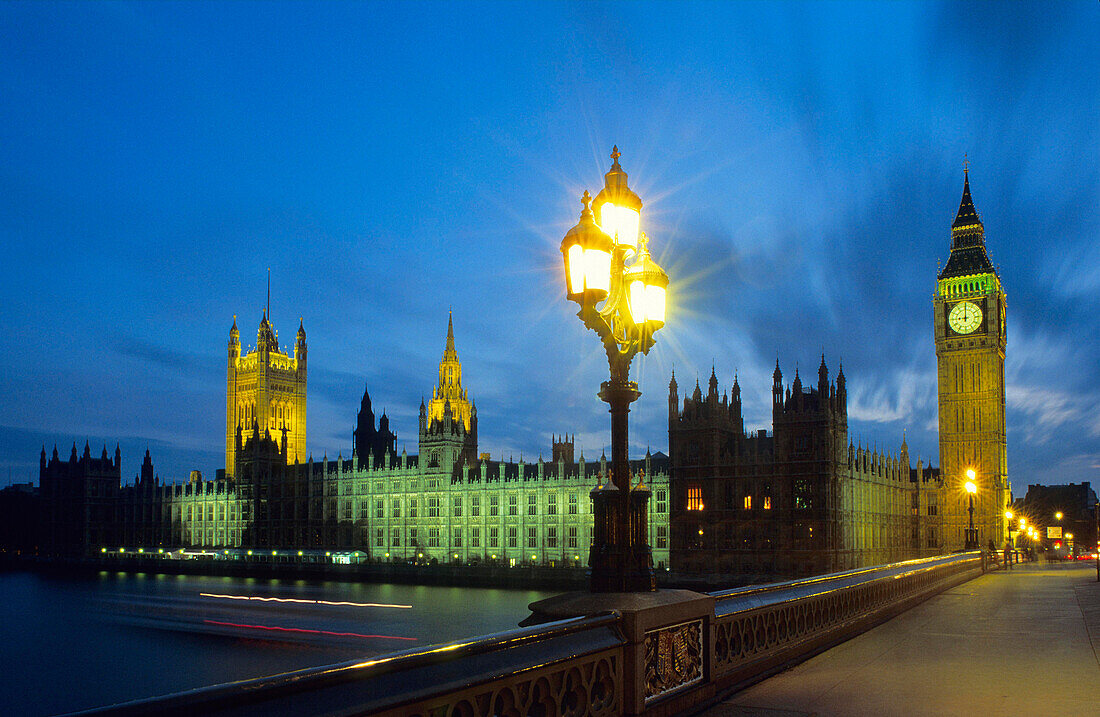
499 576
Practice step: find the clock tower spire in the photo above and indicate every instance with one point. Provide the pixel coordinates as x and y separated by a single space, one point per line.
969 318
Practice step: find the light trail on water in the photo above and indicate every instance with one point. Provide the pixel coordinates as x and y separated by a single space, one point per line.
301 601
302 630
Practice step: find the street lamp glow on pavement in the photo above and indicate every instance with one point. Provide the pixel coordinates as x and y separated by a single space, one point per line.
596 253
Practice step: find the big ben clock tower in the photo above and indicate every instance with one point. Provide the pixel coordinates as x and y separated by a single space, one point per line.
969 317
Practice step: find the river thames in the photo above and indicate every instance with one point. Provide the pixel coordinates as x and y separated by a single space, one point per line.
75 643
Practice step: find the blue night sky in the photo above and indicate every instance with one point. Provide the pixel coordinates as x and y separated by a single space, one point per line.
801 165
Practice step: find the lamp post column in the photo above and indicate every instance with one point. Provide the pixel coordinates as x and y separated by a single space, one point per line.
970 532
614 563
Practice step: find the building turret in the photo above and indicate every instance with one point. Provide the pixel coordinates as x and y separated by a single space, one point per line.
562 449
823 383
735 407
300 345
265 336
777 392
234 340
673 399
712 387
371 445
841 392
147 468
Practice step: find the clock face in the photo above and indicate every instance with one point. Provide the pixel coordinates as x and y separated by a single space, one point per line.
965 317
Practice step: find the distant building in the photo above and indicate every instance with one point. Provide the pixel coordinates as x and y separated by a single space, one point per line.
447 504
802 501
21 519
1075 502
80 500
971 335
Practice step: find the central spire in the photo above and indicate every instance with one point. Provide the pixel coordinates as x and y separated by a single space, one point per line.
450 347
449 394
967 216
968 253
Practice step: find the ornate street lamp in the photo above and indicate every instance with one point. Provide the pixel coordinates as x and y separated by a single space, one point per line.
607 260
971 534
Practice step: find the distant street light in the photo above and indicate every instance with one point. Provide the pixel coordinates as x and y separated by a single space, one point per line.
596 252
1058 515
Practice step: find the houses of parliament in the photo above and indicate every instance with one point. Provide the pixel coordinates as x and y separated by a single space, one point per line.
727 503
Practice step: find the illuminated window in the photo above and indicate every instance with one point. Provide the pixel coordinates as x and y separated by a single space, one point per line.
662 536
695 497
748 502
767 502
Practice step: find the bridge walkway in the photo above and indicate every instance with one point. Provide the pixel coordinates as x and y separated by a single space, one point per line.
1021 642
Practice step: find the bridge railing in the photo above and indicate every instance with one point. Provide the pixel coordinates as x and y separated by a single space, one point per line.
659 654
760 629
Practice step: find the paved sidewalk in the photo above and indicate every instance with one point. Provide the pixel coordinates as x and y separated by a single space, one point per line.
1007 643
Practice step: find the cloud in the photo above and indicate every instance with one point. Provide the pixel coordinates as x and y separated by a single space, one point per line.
1048 410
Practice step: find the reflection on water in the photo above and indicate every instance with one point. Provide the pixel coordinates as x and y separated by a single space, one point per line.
71 644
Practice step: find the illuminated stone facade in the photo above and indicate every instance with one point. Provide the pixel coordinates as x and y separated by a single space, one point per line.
265 389
969 314
802 501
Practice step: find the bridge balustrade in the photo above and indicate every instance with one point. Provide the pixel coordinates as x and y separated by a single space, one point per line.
669 653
